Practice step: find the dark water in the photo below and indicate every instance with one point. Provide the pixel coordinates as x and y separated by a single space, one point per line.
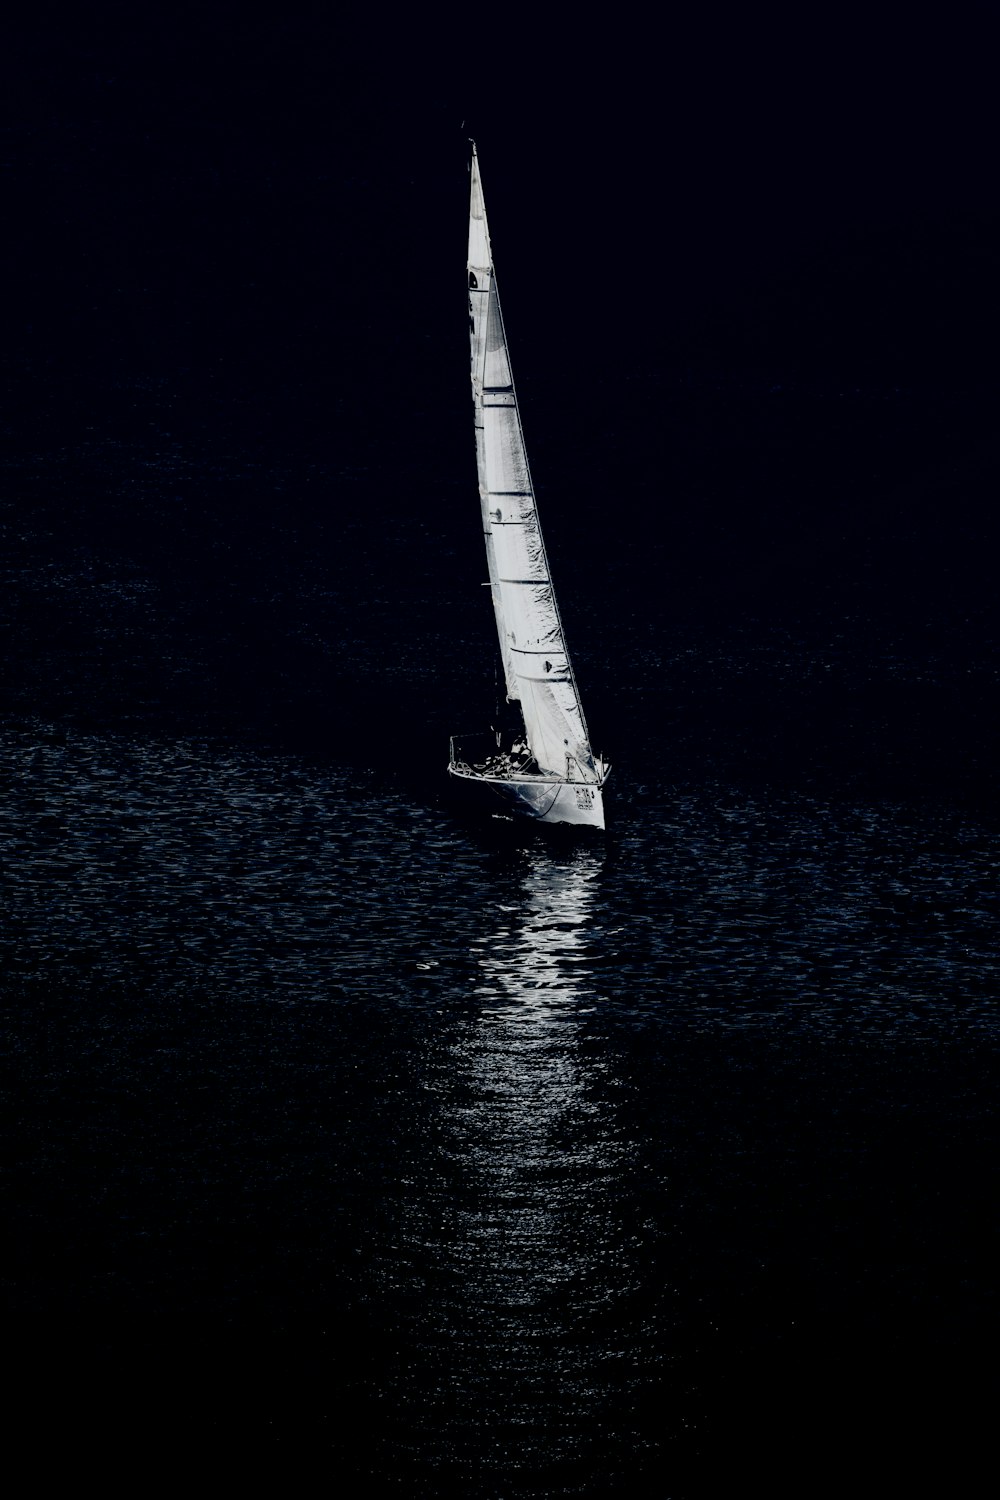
346 1133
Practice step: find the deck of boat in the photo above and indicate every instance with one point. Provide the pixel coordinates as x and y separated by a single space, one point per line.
514 778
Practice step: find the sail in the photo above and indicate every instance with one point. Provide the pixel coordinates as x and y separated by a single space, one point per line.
536 663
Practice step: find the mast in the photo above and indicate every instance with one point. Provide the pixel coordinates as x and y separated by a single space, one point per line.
537 666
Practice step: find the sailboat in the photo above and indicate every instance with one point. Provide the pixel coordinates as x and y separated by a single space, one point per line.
545 768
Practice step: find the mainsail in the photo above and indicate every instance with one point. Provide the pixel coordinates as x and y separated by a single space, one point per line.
536 663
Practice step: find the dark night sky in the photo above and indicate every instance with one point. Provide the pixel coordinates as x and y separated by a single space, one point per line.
749 263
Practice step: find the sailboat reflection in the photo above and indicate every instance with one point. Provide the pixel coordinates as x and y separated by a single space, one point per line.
537 1255
527 1127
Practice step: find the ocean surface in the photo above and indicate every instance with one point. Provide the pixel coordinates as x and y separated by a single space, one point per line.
348 1134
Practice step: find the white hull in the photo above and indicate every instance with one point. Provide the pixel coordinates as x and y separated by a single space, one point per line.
543 799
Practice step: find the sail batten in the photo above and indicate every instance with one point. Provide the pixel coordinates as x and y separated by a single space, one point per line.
527 616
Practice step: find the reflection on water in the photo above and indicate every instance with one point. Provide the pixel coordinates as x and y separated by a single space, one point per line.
528 1134
525 1224
520 1157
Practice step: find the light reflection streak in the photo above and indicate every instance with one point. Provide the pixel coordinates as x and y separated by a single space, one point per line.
527 1132
529 1244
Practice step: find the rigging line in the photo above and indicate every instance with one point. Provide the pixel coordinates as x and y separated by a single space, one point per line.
552 803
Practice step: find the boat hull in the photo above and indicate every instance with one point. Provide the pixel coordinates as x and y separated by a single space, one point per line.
543 800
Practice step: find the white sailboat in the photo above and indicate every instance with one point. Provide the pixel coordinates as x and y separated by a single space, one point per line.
547 771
